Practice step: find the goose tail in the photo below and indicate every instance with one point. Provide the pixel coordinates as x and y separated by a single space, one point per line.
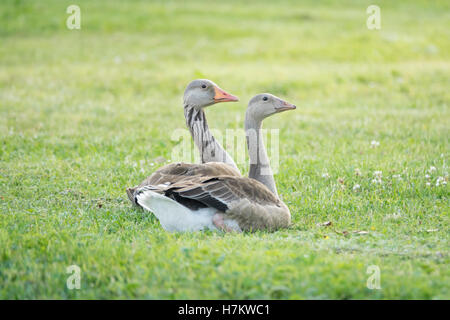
130 194
172 215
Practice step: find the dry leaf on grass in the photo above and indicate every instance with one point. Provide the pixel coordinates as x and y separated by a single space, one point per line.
325 224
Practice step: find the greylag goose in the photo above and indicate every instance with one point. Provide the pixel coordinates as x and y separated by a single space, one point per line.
198 95
259 161
184 197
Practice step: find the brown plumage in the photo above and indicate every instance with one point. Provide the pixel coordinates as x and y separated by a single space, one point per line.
243 199
177 172
247 201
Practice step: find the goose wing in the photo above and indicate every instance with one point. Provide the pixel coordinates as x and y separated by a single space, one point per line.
177 172
221 192
246 200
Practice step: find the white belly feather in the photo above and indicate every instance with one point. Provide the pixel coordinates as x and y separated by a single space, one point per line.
176 217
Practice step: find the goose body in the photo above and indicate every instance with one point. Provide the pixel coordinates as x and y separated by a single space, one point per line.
191 216
229 203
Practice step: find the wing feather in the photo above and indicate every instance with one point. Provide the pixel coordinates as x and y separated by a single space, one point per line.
178 172
221 192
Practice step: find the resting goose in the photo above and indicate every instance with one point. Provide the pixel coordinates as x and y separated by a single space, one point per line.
198 95
260 107
184 197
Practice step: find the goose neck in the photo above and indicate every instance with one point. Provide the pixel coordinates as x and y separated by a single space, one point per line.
259 161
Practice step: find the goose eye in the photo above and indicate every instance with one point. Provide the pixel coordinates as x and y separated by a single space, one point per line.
203 86
265 98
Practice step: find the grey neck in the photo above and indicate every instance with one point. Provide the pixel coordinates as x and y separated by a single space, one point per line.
259 161
209 148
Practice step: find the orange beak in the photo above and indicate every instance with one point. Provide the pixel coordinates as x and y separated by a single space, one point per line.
222 96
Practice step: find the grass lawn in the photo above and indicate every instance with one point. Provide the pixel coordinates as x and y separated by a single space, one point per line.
86 113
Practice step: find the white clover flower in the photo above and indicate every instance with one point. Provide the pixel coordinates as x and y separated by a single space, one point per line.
356 187
428 184
377 177
441 181
432 169
374 143
396 215
325 175
393 216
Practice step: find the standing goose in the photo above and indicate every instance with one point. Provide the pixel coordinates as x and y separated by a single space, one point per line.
191 201
198 95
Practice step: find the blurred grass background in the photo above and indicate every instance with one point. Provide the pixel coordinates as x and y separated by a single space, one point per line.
85 113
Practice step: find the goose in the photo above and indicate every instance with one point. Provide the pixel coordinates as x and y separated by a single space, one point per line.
260 107
194 197
199 94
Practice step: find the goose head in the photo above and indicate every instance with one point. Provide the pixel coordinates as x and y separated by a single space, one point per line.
264 105
201 93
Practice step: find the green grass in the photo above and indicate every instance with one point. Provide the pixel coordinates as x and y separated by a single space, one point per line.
83 114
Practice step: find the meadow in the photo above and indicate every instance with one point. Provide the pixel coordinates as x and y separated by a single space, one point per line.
363 161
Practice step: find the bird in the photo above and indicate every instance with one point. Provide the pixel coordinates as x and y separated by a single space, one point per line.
260 107
213 195
198 95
